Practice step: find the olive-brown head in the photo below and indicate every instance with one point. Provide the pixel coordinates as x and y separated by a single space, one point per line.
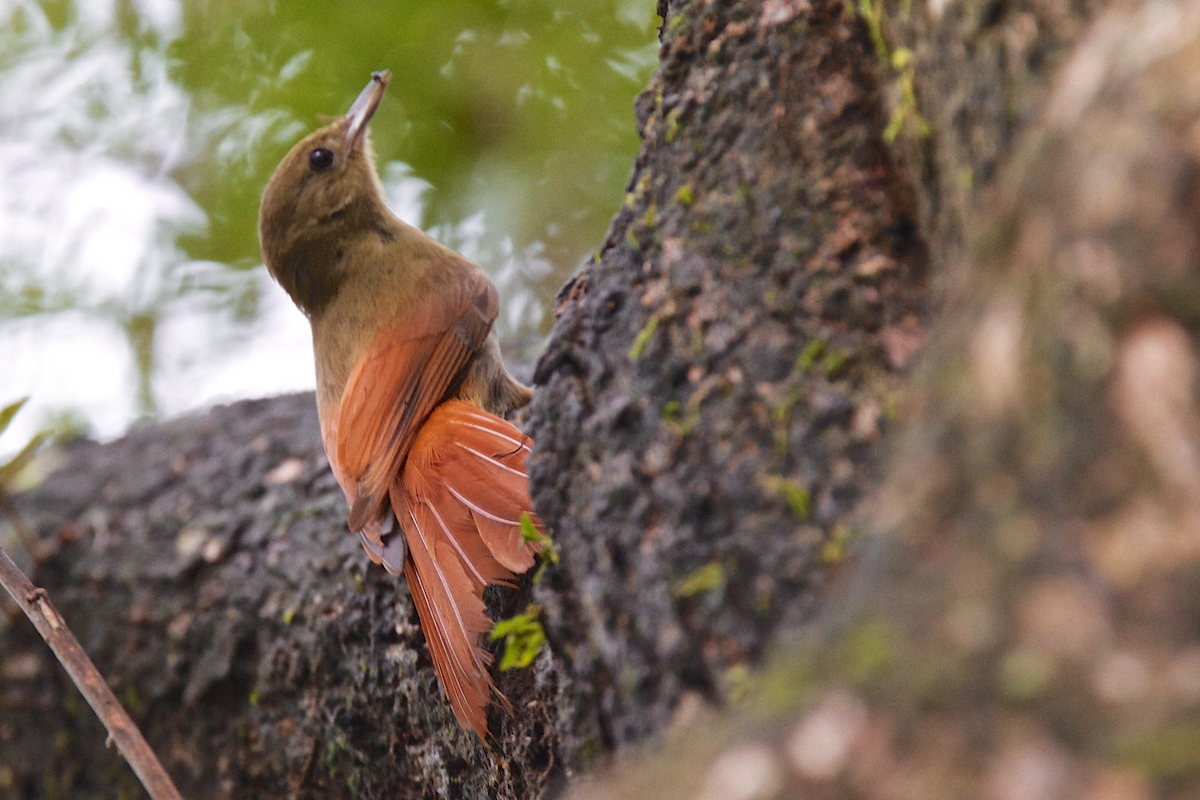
323 193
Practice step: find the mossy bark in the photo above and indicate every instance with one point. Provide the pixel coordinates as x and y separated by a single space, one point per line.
720 376
1025 625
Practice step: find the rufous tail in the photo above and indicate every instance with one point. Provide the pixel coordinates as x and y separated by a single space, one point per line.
459 502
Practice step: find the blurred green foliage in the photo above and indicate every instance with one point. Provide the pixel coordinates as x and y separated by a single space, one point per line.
140 135
521 109
11 467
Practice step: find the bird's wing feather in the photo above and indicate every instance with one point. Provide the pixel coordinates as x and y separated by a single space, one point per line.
405 372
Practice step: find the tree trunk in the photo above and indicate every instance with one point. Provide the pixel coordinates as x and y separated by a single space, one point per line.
716 387
1025 625
712 409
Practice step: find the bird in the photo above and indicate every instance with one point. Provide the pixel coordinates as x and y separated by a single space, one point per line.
411 393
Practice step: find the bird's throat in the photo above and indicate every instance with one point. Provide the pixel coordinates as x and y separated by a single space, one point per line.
312 271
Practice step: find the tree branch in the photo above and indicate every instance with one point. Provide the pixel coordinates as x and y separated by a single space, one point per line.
121 729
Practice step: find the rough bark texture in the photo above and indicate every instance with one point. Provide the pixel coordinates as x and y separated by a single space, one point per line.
1028 627
206 566
714 398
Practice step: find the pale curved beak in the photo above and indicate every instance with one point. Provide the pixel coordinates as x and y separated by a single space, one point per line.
363 109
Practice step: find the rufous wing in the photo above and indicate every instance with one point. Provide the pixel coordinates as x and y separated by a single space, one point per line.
406 371
459 501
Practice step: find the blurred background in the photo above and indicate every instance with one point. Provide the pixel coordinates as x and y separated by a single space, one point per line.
137 136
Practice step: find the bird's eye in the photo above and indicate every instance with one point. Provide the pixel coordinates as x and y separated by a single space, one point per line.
320 159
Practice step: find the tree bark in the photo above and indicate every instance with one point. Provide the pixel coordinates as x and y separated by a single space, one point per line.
713 406
206 566
714 393
1025 625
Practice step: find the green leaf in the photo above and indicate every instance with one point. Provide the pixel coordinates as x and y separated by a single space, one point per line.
523 637
791 491
10 411
812 351
704 579
11 468
530 533
643 338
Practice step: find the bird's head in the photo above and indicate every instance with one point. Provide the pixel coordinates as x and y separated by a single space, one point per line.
323 190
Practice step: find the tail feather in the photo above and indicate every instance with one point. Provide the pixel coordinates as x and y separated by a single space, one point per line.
461 666
460 500
491 481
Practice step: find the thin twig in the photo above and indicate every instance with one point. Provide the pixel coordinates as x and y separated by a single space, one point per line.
66 647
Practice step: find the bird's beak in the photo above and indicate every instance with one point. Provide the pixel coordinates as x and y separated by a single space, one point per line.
364 107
